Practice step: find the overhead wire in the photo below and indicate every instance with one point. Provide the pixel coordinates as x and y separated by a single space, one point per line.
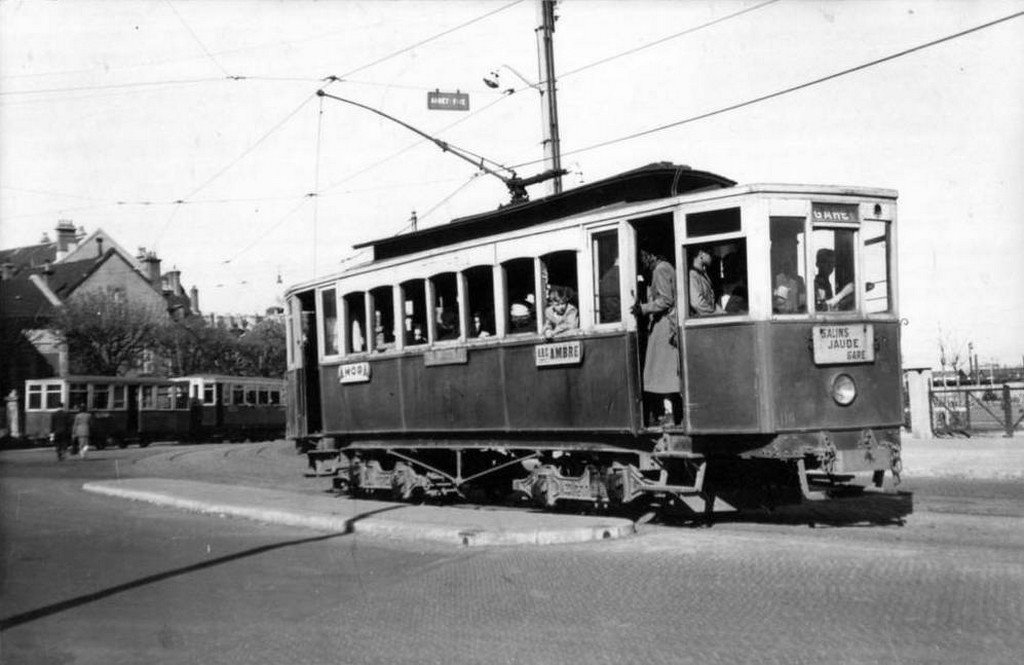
195 37
780 93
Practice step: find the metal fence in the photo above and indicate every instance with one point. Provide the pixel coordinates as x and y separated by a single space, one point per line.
977 410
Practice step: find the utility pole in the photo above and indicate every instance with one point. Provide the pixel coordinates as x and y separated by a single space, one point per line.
549 102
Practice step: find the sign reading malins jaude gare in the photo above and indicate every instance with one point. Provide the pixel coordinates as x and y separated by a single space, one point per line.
448 101
841 344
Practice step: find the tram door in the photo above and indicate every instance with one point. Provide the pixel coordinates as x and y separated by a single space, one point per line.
658 335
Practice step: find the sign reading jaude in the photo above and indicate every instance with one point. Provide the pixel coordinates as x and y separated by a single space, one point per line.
841 344
558 353
354 373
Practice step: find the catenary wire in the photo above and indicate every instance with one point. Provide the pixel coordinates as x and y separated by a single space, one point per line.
780 93
195 37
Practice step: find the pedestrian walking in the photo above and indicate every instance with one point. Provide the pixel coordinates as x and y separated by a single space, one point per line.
60 432
80 429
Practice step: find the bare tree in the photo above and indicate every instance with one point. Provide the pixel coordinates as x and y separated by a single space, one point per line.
104 332
951 349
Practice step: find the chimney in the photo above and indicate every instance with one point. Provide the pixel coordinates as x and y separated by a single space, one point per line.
65 238
47 271
193 299
99 246
152 268
80 234
173 278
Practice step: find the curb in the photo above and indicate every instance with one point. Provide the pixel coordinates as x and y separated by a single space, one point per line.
415 524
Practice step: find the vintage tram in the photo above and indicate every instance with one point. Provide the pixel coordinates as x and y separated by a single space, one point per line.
431 370
145 409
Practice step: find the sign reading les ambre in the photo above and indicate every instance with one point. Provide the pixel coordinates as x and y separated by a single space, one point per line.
447 101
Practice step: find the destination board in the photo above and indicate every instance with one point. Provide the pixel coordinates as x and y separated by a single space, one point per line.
558 353
354 373
844 343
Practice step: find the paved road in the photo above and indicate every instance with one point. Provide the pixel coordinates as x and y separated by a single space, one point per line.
89 579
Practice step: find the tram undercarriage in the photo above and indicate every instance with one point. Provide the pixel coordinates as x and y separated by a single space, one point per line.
587 476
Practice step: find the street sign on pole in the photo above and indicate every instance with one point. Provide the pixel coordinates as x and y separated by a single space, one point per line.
447 101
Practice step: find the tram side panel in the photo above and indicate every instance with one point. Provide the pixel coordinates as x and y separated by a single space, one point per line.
498 388
724 380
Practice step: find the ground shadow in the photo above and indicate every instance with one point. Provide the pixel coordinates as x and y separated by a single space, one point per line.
71 603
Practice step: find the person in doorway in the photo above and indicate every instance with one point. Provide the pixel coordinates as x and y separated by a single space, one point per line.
80 430
702 294
60 432
661 360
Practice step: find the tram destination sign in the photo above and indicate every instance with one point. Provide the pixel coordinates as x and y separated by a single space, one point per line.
559 353
447 101
843 344
354 373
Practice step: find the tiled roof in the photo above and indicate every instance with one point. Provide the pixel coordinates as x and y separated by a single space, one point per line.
28 257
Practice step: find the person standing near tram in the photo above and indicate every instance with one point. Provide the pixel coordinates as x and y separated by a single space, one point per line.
60 432
661 361
80 430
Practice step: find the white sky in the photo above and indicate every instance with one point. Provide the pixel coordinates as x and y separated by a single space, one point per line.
95 110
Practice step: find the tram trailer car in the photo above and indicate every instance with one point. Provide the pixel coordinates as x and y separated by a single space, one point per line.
124 410
235 408
429 371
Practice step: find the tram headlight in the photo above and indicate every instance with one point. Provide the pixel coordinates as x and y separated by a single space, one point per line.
844 390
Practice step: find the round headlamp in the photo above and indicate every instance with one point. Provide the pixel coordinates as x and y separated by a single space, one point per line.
844 390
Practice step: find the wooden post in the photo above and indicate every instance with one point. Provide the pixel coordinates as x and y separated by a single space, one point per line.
1007 411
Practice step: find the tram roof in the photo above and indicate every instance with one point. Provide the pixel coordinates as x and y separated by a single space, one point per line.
654 181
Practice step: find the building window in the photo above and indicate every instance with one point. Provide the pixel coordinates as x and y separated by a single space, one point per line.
34 398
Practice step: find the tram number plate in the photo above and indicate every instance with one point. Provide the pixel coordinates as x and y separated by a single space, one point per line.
354 373
841 344
559 353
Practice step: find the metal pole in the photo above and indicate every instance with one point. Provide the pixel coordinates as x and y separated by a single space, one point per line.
549 106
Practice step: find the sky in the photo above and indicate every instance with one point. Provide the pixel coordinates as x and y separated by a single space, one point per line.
194 129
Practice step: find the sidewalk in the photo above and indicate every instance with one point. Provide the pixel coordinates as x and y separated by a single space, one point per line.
453 525
265 482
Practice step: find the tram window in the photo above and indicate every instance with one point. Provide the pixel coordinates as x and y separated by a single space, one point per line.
117 397
101 397
275 396
381 300
180 397
237 394
209 394
53 396
329 312
250 396
521 296
789 275
446 306
78 396
480 296
834 276
355 320
877 287
712 222
414 307
35 398
264 396
725 273
164 397
607 294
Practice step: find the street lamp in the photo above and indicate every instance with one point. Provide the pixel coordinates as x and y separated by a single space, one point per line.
493 80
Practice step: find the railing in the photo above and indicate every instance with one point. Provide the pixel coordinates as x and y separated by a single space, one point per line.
973 410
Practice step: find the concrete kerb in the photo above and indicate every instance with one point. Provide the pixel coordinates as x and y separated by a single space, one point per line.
452 526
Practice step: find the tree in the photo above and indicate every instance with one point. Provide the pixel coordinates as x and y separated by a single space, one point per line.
104 332
194 347
951 350
264 348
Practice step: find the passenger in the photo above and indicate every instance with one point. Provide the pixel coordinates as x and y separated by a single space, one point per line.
702 294
734 288
788 289
561 316
60 433
522 315
661 360
416 336
80 430
447 325
478 329
824 300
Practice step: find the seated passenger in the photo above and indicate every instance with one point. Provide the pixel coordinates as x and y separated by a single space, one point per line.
789 294
447 325
477 329
416 336
560 317
824 300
